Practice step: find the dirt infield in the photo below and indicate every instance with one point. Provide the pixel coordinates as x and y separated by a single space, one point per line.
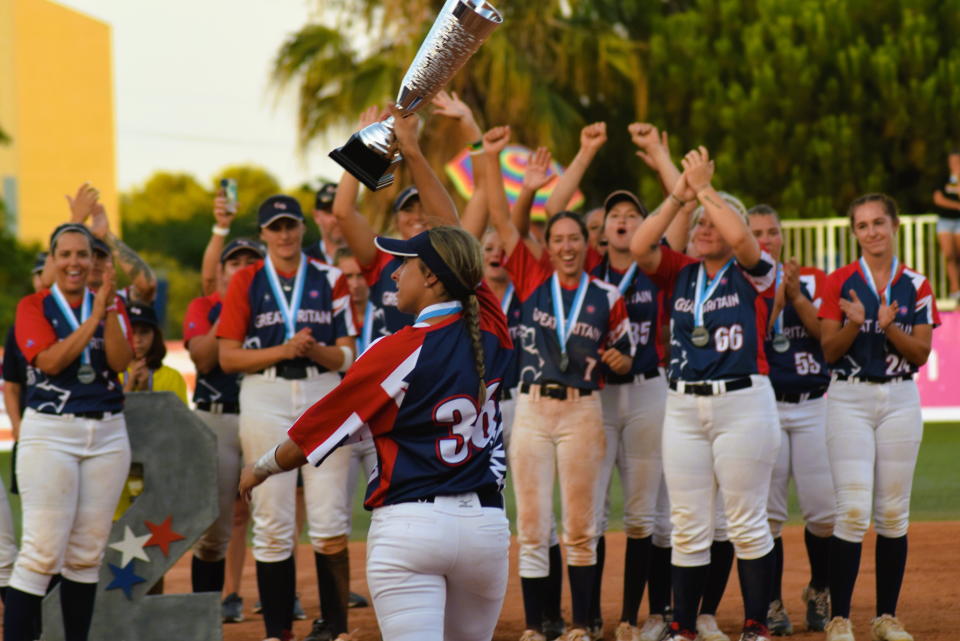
929 605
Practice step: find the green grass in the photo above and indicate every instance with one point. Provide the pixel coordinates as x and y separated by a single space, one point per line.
934 486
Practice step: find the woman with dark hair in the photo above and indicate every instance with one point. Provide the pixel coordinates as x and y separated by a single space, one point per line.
147 373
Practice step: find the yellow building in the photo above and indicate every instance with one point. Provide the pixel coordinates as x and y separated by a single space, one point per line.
56 105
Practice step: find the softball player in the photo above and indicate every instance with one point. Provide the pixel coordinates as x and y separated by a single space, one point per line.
217 401
438 543
877 325
74 454
720 425
572 325
286 325
800 376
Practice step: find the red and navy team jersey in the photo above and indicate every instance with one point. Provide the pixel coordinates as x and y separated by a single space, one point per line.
40 324
216 386
871 354
642 299
735 318
603 323
15 365
415 392
802 368
252 316
511 307
317 251
387 319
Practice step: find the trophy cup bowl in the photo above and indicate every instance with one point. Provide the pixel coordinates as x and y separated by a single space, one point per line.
461 27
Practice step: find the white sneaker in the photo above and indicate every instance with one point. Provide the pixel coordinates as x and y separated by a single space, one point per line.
577 634
532 635
653 628
839 629
887 628
708 630
626 632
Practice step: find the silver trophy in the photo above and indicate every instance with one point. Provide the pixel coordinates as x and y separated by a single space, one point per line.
456 34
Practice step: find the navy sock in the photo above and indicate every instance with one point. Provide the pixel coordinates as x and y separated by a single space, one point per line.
844 566
636 566
554 588
333 584
891 559
581 593
818 551
277 585
595 601
688 586
534 598
660 571
776 579
721 561
756 576
19 615
76 604
207 576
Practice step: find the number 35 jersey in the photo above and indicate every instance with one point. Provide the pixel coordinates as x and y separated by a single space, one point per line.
871 354
734 316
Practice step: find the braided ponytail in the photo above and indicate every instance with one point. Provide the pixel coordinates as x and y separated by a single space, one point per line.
471 316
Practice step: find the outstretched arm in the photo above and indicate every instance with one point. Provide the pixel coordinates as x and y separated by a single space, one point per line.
142 278
436 201
218 237
494 141
592 138
355 227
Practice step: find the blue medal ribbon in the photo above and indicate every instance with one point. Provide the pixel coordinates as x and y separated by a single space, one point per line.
705 290
626 280
566 324
366 334
867 276
67 312
288 311
439 309
778 321
507 298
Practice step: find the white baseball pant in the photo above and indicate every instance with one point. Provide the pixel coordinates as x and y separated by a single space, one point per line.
362 455
212 546
873 438
803 455
661 524
8 543
438 571
728 440
71 471
268 407
633 425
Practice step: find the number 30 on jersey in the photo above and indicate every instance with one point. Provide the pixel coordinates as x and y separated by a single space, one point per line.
469 431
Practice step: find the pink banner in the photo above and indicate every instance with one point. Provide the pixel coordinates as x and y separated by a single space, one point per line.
939 379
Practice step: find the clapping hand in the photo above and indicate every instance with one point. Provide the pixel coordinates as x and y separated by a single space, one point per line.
537 174
698 169
300 345
887 313
853 308
83 203
791 279
99 223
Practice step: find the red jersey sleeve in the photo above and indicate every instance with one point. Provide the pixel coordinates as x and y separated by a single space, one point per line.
125 325
594 258
526 271
671 262
342 306
491 315
925 310
235 317
196 320
369 396
830 305
373 271
618 330
33 329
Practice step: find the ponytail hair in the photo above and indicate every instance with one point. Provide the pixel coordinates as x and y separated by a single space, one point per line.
464 256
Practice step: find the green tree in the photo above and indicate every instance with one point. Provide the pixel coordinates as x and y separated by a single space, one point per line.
15 282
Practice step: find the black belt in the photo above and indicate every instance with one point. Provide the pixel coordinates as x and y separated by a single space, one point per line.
712 389
553 390
289 372
799 398
94 415
488 498
650 373
219 408
859 378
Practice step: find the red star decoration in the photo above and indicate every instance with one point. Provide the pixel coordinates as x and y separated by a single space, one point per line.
163 535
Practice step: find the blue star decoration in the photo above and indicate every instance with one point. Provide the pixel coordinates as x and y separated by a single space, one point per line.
124 578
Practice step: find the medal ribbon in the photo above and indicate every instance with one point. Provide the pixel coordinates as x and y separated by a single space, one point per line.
778 322
627 278
289 310
366 334
869 278
705 290
566 324
439 309
67 312
507 298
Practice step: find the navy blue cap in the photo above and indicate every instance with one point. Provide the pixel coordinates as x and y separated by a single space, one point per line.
403 200
39 262
325 196
279 206
140 313
102 247
420 247
242 244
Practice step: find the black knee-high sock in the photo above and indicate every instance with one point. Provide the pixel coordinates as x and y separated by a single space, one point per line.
891 558
844 566
207 576
554 586
535 593
721 561
594 613
277 585
660 572
76 604
581 593
3 594
688 586
333 583
636 566
19 613
818 551
756 577
776 578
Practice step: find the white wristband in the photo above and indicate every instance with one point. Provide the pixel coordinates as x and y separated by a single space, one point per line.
347 358
267 464
220 231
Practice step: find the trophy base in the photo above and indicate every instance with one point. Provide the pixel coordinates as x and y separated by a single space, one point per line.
366 165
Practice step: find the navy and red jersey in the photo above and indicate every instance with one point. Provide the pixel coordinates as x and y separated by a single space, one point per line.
15 365
415 392
387 319
513 310
802 368
603 323
40 324
735 318
871 354
251 315
216 386
643 302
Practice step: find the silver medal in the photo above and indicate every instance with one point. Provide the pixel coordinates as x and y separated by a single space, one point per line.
781 343
564 362
700 337
86 374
